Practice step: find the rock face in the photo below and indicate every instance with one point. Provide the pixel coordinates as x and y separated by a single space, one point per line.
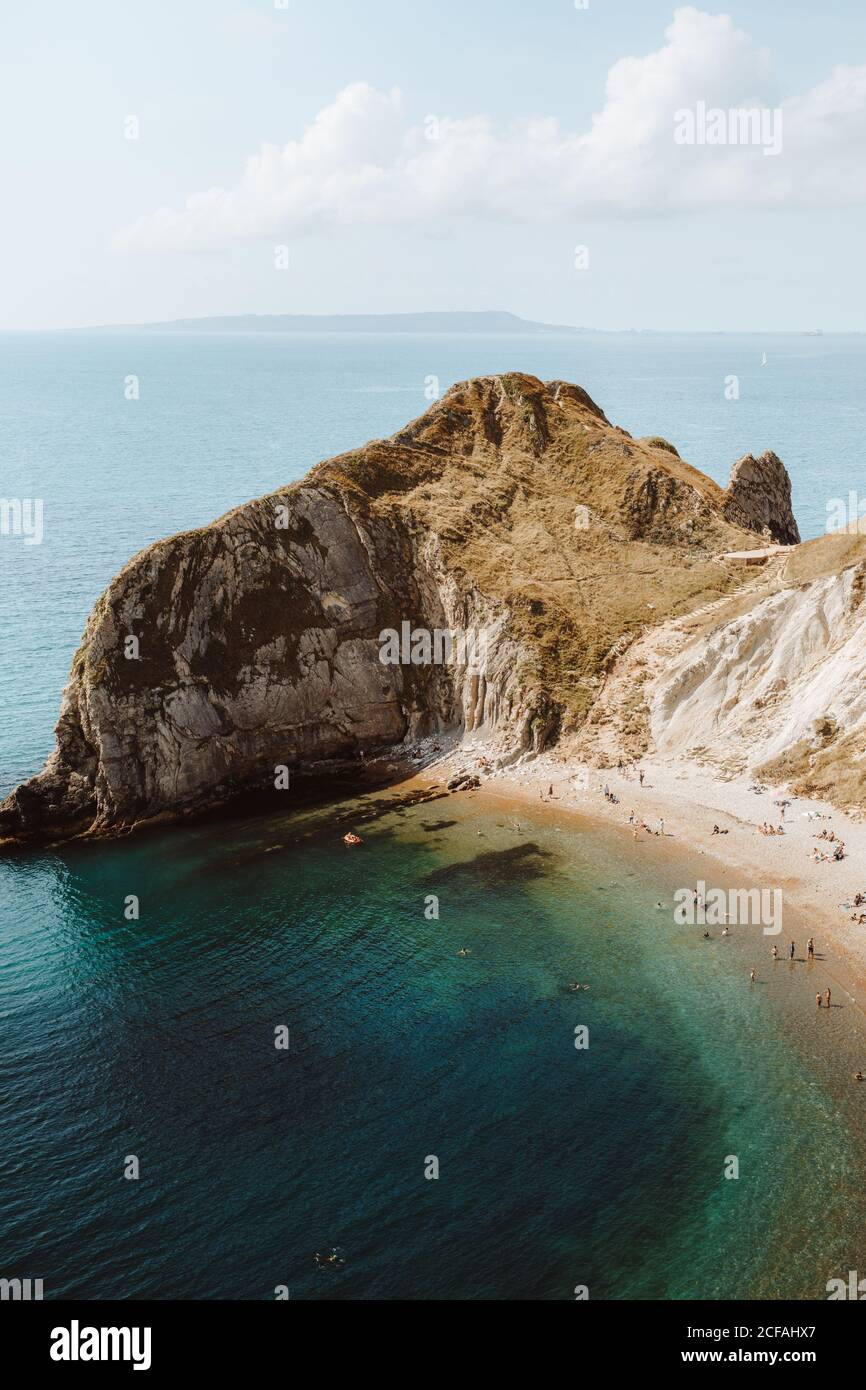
512 512
759 497
258 648
769 683
786 675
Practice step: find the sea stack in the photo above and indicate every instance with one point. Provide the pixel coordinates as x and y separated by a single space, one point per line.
759 496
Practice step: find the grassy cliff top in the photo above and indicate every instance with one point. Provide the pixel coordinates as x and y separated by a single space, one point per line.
539 501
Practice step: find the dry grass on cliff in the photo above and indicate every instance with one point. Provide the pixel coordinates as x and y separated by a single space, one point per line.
585 534
825 556
836 773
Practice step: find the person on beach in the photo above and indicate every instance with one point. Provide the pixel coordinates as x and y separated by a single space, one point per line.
662 826
640 776
775 953
827 996
752 976
791 952
818 1000
810 948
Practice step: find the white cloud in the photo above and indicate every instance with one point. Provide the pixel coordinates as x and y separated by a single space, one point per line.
362 160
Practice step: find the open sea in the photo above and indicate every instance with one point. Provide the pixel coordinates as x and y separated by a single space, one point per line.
558 1166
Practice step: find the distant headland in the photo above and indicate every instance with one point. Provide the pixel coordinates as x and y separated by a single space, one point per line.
489 321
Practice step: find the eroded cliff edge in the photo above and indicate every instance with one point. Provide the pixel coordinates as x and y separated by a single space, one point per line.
511 506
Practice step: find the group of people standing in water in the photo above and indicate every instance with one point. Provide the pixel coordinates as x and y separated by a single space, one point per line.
792 950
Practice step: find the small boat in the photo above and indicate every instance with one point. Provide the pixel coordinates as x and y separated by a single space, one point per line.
351 839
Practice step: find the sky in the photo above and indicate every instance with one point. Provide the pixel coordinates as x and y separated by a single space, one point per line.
562 161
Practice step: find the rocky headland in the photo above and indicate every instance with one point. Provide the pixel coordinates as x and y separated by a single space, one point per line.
605 573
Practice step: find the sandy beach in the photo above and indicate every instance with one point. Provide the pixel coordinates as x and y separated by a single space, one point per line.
817 898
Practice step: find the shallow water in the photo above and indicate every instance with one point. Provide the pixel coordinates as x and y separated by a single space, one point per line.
558 1167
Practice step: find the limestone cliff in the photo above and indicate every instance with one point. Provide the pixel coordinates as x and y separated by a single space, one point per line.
511 507
768 683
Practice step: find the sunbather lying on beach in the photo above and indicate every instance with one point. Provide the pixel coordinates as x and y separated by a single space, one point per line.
838 853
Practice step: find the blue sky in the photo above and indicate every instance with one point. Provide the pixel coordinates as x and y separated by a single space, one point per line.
535 154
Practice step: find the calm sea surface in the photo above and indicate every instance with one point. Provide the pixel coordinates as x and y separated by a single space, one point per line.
558 1167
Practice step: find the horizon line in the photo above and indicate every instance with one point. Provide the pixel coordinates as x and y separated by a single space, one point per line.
534 327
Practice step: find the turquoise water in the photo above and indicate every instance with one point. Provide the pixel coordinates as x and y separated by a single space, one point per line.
558 1167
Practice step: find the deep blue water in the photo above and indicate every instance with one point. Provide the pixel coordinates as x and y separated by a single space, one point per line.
155 1037
558 1166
